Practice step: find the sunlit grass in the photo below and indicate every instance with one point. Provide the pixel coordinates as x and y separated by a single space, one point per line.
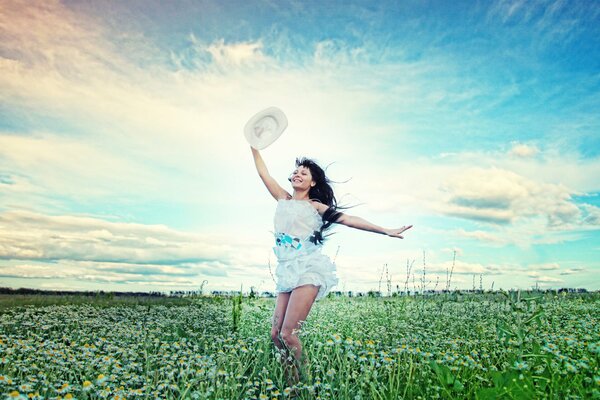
453 346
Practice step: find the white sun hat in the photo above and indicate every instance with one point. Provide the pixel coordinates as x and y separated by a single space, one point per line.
265 127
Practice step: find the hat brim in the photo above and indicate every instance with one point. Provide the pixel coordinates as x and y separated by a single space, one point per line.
265 127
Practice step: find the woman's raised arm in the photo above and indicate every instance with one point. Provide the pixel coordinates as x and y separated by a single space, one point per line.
274 188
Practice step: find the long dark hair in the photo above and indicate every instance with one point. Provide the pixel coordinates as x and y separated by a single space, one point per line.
322 192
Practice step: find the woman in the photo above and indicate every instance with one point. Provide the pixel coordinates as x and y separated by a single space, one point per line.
303 273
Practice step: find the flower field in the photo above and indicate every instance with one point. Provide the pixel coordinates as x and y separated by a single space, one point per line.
479 346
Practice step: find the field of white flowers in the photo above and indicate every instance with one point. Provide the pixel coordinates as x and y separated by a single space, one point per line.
485 346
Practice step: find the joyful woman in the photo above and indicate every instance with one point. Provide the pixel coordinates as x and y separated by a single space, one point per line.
303 273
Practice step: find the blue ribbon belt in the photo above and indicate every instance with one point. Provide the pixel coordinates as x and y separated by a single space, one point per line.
285 240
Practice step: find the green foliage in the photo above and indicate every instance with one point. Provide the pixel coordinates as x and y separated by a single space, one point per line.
237 311
455 346
447 379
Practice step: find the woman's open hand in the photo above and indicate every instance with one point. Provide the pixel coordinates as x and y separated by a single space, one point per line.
397 233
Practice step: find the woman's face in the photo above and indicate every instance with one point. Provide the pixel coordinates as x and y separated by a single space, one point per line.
302 178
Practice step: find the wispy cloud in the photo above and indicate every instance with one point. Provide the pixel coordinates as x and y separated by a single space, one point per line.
543 278
224 55
545 267
498 195
523 150
96 113
96 250
571 271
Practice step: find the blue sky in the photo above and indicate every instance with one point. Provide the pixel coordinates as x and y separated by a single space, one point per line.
123 164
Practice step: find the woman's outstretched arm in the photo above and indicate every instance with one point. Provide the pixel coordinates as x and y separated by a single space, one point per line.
362 224
274 188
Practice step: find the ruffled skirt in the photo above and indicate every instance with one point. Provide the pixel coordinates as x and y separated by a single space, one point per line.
297 268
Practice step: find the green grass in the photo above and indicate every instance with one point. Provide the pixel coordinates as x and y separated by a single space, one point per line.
485 346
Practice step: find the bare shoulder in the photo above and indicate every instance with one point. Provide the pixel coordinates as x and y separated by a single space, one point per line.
320 207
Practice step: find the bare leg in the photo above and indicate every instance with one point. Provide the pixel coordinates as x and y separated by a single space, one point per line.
299 305
277 321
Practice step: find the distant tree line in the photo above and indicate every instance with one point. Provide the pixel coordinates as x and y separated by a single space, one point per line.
5 290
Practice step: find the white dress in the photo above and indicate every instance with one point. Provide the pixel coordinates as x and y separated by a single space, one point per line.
300 261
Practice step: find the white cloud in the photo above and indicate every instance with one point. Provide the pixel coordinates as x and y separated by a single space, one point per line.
99 273
459 252
30 235
484 236
364 272
499 195
70 166
331 53
460 267
523 150
592 214
545 267
87 249
543 278
236 53
512 201
572 271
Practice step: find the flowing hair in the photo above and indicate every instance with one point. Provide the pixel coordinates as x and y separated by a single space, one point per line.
322 192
